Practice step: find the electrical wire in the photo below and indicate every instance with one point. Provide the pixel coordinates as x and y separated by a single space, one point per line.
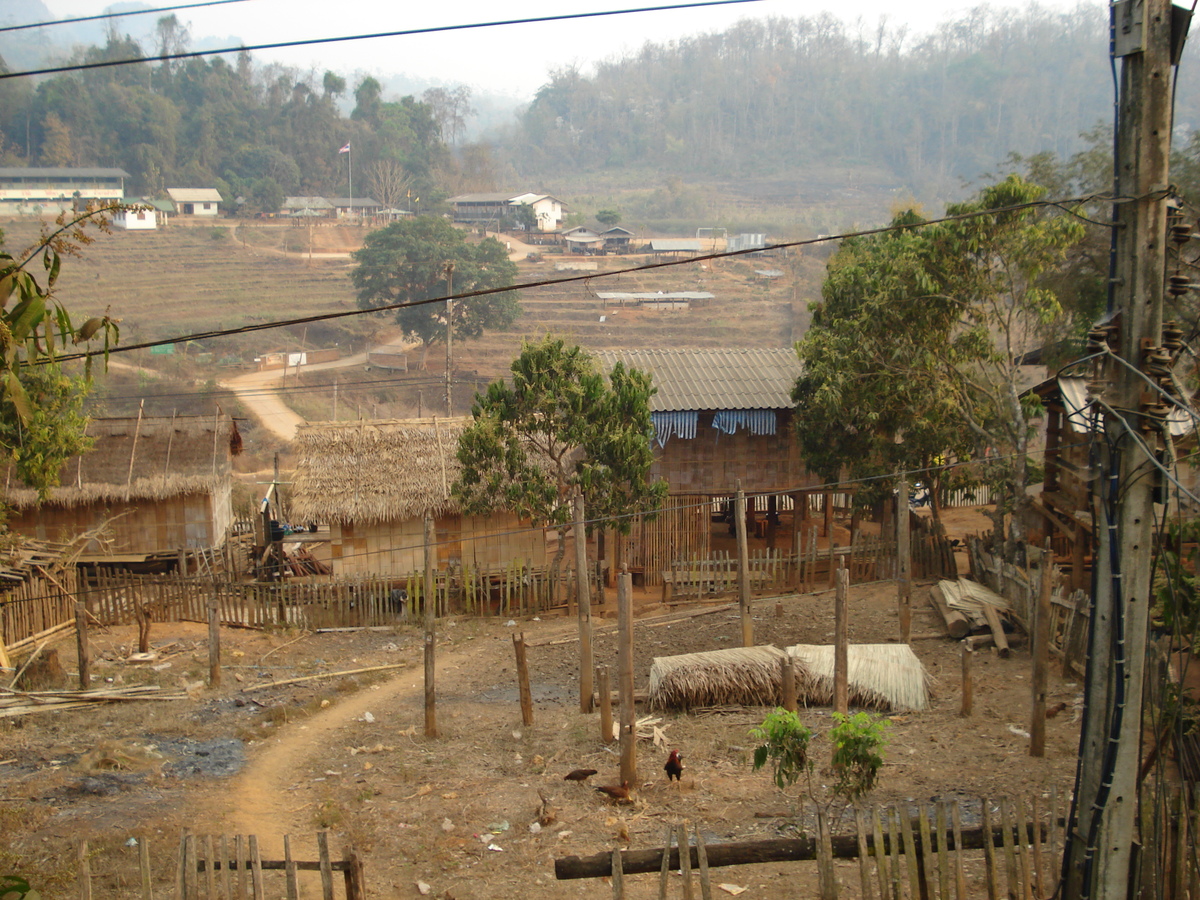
308 42
117 15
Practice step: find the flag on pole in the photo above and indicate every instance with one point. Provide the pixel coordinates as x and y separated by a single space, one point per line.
345 149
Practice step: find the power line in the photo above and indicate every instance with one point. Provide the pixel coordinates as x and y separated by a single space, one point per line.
1061 204
278 45
117 15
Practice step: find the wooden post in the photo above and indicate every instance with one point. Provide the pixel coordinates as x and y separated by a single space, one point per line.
82 647
1041 655
606 716
214 643
739 516
799 506
787 670
841 649
625 678
144 868
430 599
584 605
85 870
618 875
523 680
903 561
356 887
968 687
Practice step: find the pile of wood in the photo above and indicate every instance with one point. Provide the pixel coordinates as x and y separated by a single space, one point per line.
21 703
972 612
301 562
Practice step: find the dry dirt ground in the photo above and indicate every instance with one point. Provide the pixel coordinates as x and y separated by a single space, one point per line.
349 754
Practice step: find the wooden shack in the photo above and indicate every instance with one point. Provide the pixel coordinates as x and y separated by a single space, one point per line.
721 418
161 483
373 482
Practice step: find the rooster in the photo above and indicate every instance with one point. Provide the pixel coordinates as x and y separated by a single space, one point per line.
674 766
579 775
618 793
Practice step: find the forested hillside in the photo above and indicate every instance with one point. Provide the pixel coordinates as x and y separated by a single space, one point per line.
252 131
781 93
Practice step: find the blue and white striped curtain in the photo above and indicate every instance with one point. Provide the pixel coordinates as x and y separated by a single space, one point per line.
757 421
674 424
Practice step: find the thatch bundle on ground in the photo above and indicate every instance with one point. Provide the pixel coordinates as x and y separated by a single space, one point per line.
881 676
741 676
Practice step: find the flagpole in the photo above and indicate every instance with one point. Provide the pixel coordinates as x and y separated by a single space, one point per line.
350 175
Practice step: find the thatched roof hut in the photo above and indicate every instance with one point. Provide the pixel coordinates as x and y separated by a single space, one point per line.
879 676
369 472
169 475
373 482
136 458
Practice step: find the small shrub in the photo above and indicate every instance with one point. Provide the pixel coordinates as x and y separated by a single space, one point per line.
785 745
858 741
218 233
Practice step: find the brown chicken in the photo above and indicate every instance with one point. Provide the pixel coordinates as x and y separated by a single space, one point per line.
579 775
674 766
618 793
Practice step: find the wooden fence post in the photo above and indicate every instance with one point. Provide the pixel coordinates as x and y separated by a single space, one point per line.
968 687
841 640
523 680
625 662
787 669
214 643
85 871
82 647
606 716
1041 655
743 568
584 598
430 623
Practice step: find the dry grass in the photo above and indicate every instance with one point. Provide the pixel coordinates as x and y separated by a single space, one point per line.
741 676
881 676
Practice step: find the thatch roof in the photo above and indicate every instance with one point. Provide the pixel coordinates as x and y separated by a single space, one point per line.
141 458
740 676
881 676
376 471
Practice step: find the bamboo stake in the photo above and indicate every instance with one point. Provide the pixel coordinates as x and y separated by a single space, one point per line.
606 716
702 859
326 865
1041 656
625 686
618 875
666 860
743 569
144 868
210 866
1010 854
523 680
256 869
1021 831
430 620
989 848
685 860
85 870
289 869
881 860
841 665
943 855
960 875
1039 870
916 870
864 858
214 644
271 684
787 667
968 684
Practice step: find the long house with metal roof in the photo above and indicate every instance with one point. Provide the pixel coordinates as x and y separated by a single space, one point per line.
722 419
50 190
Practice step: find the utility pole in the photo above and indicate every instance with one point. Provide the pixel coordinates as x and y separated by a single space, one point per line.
449 334
1100 863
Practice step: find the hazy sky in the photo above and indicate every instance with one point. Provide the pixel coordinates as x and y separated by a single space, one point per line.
512 59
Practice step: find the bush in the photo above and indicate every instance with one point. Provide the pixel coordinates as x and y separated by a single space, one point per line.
857 744
785 744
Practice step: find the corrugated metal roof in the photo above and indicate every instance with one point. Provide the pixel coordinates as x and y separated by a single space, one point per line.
306 203
27 172
714 379
655 295
195 195
674 245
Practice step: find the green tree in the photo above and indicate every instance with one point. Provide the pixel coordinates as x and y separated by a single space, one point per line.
41 417
406 263
915 352
609 217
560 426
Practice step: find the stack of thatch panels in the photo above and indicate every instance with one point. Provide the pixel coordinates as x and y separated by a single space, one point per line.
740 676
880 676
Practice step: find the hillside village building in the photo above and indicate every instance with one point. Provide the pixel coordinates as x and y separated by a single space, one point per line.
49 191
200 202
158 485
494 208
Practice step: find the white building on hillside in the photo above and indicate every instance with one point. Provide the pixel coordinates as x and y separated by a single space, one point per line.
195 201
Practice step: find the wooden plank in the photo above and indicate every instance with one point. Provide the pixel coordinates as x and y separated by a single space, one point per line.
960 875
256 869
916 872
685 860
84 867
326 867
293 888
702 860
943 857
1010 853
864 857
989 849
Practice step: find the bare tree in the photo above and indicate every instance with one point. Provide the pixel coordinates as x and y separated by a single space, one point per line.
388 182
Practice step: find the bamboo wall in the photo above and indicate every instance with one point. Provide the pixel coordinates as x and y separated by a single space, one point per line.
475 542
143 526
714 462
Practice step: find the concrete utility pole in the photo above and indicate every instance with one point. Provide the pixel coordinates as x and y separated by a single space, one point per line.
1100 860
